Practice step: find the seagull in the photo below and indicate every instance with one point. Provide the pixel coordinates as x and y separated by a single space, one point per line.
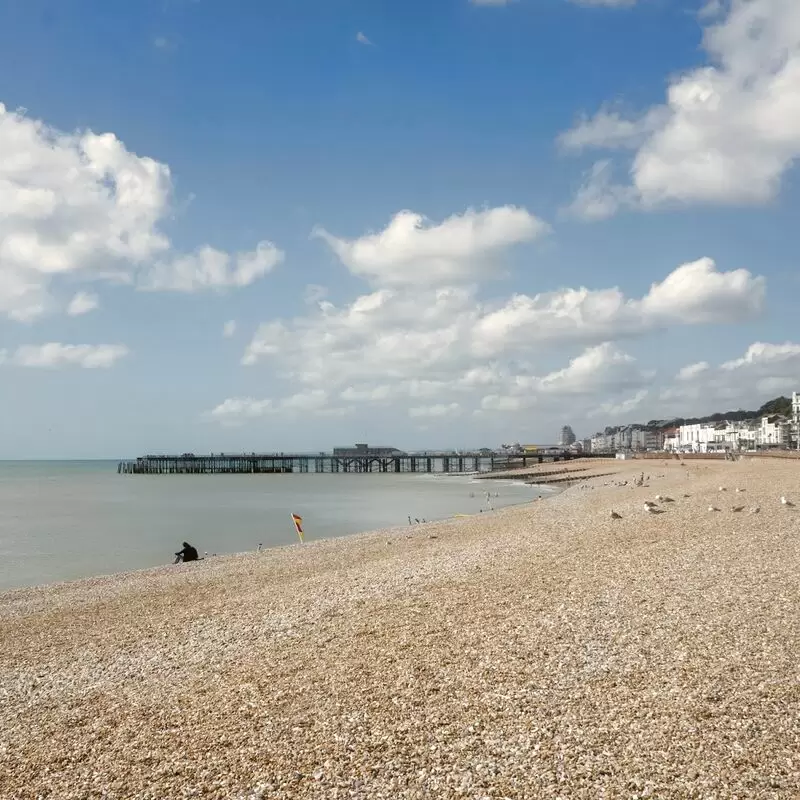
614 515
713 508
754 510
723 489
649 504
737 509
659 497
739 490
786 502
667 499
687 495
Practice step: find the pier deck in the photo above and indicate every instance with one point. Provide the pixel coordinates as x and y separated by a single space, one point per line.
272 463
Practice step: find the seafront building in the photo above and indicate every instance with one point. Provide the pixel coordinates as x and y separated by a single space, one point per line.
567 437
796 419
765 432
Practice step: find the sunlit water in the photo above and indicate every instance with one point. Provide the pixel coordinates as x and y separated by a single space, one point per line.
65 520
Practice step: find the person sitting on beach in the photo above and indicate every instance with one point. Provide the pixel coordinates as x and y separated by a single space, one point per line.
188 553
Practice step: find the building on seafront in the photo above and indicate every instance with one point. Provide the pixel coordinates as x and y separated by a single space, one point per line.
796 419
567 437
361 450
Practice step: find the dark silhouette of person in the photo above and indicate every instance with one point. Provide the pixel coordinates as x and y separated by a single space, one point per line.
188 553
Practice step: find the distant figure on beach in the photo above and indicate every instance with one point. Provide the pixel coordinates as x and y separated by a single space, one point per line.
188 553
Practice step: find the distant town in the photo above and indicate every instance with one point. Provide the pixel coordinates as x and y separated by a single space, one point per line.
776 425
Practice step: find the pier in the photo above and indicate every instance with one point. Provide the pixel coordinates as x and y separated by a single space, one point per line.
355 463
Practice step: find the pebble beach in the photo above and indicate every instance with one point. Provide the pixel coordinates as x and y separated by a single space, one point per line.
543 651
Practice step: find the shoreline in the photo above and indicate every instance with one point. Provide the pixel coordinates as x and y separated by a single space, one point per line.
377 532
467 480
538 651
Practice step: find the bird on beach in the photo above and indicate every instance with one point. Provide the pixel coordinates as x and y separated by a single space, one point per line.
687 495
723 489
737 509
649 504
738 491
754 510
785 502
614 515
713 508
653 509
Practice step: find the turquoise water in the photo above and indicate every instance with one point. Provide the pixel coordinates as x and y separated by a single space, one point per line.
65 520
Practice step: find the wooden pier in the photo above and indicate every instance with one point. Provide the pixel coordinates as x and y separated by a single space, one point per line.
280 463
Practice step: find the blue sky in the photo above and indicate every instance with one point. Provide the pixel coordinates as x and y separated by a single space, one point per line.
398 224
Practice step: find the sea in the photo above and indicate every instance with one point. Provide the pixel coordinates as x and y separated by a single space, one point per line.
72 519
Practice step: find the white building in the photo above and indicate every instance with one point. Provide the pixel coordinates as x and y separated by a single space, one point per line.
796 418
696 438
774 431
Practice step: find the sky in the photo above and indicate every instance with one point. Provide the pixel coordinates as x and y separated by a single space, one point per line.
263 225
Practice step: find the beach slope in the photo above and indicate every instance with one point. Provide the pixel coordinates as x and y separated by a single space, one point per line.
541 651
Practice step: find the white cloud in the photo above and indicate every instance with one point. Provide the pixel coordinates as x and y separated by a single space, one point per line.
82 303
418 345
310 400
362 38
595 370
599 197
413 251
692 371
208 268
412 339
82 204
613 412
765 370
55 354
764 356
237 409
728 131
610 130
600 371
229 328
435 411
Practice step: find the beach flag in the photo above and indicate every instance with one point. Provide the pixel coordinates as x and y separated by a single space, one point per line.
298 525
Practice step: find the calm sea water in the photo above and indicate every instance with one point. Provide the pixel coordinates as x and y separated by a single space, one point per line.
65 520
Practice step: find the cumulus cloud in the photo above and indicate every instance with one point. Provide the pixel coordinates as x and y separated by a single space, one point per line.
82 303
692 371
411 250
727 132
599 371
55 354
82 204
614 412
764 370
421 343
447 337
208 268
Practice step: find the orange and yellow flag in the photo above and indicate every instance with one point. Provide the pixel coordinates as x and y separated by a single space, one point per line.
298 525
